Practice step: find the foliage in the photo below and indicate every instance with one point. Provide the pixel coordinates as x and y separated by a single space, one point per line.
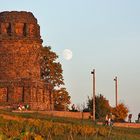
120 112
102 106
61 99
51 73
51 70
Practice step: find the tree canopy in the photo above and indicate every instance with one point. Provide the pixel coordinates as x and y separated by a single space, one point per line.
61 99
52 74
102 107
51 70
120 112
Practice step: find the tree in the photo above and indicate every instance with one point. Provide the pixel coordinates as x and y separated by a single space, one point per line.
61 99
120 112
51 73
102 107
51 70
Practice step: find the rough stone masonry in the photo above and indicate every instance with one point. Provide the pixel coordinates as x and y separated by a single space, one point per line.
20 47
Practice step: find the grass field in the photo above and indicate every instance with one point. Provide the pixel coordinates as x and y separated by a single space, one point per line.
35 126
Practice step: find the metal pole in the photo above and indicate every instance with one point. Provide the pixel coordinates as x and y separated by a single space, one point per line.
116 90
93 72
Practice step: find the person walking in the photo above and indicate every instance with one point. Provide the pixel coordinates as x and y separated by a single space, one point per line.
106 119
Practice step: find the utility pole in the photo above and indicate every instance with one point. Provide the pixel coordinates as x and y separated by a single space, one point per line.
93 72
116 90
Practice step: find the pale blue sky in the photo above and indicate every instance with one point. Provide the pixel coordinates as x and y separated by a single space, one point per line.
102 34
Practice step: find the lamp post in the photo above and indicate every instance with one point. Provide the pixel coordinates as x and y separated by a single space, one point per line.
93 72
116 90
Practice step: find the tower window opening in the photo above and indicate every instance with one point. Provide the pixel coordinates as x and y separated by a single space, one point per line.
25 29
9 29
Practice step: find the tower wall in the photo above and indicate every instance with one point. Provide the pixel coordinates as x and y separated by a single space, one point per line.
20 45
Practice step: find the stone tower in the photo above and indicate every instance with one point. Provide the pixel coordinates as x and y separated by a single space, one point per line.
20 46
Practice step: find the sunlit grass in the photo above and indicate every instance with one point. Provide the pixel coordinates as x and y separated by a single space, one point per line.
57 128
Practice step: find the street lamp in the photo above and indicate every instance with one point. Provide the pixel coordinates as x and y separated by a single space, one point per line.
93 72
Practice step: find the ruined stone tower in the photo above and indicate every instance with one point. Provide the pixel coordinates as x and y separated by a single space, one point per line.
20 45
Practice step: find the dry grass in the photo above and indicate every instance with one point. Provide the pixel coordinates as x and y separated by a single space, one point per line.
42 127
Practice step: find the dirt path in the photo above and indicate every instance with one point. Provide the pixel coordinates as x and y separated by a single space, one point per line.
130 125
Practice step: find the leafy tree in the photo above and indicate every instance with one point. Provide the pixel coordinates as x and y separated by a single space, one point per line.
61 99
51 72
120 112
102 107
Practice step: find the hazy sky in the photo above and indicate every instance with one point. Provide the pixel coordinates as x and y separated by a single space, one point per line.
102 34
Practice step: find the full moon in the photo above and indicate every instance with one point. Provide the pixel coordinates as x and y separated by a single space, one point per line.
67 54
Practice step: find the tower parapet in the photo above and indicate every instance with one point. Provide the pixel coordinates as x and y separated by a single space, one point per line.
19 25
